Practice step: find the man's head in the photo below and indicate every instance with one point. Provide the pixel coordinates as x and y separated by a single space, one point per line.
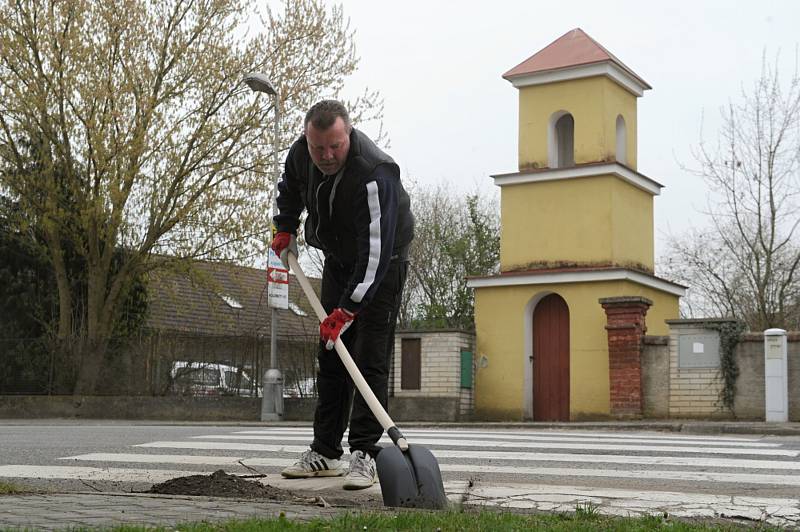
327 128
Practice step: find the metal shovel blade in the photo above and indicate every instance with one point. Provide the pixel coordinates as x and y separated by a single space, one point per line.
410 479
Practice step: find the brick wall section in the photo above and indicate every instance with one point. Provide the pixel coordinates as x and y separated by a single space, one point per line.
626 327
440 375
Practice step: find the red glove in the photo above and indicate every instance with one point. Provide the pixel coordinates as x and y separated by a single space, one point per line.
282 244
334 325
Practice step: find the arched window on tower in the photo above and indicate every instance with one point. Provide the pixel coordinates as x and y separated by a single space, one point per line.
561 137
622 141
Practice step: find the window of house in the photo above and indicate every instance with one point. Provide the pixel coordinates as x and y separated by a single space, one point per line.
230 301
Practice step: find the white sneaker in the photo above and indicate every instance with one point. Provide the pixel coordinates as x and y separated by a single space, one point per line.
313 464
363 472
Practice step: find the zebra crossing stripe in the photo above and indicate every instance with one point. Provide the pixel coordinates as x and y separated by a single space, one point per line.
160 475
158 458
522 444
223 446
91 473
457 433
722 442
685 461
679 461
594 436
691 476
608 438
134 458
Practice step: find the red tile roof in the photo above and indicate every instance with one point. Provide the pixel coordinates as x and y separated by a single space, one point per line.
193 303
574 48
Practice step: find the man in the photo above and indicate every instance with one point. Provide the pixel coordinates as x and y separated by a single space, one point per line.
359 216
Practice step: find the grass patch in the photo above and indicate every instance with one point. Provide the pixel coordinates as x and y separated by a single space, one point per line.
10 489
586 518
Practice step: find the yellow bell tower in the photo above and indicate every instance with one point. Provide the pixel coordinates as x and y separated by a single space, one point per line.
576 246
577 192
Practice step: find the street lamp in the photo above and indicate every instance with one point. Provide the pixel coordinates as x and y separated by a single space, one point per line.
272 400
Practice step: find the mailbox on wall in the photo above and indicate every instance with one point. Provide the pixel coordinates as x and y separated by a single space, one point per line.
776 376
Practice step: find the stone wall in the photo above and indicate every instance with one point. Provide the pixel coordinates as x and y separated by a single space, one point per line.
670 391
655 377
211 409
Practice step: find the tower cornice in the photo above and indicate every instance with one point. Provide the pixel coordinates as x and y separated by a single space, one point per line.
579 171
608 69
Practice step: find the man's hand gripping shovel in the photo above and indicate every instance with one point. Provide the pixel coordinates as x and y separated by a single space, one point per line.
409 474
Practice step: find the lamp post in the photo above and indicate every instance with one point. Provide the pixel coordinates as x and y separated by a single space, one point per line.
272 400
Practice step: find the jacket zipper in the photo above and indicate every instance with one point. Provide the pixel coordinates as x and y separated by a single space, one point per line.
330 199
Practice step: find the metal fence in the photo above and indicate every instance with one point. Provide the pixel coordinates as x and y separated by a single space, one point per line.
29 366
158 363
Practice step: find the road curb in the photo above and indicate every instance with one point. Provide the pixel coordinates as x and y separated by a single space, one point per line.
688 426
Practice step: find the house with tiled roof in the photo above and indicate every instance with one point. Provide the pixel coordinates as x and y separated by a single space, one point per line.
221 299
217 313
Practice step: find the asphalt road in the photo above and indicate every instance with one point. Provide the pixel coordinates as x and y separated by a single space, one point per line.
728 465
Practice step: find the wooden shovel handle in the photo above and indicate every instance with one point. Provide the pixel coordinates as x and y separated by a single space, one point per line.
366 392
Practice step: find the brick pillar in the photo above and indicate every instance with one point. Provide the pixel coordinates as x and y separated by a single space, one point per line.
626 327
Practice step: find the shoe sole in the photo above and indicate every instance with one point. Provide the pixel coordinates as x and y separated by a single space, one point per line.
353 486
312 474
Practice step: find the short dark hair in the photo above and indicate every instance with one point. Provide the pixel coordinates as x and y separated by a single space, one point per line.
323 114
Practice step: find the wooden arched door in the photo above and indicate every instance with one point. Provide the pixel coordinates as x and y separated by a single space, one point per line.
550 359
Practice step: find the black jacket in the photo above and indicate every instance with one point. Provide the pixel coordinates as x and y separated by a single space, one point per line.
362 218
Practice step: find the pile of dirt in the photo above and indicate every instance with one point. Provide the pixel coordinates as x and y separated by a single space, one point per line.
220 484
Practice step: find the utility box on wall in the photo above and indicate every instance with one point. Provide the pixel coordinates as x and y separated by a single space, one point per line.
776 376
698 351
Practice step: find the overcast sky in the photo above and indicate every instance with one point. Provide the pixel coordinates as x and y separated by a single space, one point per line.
452 118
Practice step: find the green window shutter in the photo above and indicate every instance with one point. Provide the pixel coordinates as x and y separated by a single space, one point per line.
466 369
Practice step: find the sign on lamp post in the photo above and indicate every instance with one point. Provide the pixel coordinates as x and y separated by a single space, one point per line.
277 283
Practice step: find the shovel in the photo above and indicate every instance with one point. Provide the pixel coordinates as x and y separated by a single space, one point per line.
409 474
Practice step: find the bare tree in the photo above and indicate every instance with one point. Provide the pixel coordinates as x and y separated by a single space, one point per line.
455 237
124 126
746 264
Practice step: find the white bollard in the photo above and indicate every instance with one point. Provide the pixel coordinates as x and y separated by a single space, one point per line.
776 376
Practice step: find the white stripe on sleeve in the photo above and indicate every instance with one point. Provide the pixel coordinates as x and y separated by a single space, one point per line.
374 242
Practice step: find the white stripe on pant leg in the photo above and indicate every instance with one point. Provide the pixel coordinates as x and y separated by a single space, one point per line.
374 243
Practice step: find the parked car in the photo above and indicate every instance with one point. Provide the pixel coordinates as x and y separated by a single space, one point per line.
211 378
301 388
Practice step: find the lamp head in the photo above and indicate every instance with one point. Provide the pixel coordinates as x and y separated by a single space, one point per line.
260 83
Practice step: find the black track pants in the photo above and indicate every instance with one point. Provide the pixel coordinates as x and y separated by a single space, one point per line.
370 340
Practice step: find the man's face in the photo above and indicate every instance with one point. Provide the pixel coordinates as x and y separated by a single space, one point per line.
328 147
